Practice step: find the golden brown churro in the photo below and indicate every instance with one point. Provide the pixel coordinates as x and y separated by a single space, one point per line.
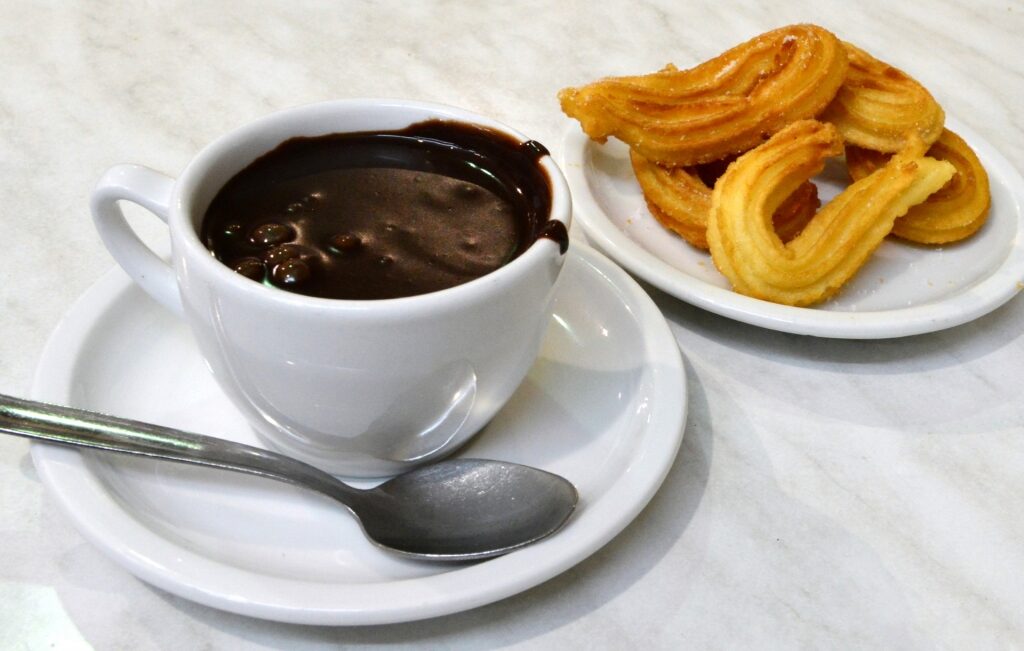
722 107
680 199
879 106
953 213
836 242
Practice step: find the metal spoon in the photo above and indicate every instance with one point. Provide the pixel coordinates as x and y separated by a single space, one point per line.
454 510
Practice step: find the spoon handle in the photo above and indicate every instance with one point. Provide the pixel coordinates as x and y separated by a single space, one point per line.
80 428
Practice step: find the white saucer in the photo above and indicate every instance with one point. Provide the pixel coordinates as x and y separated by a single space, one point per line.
903 289
603 406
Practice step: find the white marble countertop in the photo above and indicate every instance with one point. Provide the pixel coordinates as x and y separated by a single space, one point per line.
828 494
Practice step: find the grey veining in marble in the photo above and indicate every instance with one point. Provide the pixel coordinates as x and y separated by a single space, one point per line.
829 494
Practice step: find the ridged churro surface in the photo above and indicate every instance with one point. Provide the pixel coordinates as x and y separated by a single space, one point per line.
836 242
722 107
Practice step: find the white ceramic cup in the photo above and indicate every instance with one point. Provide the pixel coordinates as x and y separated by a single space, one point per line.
358 388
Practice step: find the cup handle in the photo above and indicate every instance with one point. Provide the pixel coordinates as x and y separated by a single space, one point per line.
152 191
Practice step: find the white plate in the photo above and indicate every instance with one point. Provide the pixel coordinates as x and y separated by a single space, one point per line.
603 406
904 289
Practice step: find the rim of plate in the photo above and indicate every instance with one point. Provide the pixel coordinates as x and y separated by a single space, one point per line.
1002 284
156 560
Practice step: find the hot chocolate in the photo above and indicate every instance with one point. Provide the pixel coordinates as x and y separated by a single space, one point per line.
383 214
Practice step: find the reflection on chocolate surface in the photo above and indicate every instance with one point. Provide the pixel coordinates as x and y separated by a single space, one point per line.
383 215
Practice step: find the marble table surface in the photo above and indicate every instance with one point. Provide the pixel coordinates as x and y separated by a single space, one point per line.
828 494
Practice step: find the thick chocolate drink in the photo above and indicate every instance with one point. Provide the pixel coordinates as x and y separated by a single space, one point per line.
383 215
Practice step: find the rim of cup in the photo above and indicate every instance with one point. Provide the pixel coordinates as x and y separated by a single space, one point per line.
302 121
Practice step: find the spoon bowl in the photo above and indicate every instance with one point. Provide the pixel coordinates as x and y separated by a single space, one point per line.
501 507
453 510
